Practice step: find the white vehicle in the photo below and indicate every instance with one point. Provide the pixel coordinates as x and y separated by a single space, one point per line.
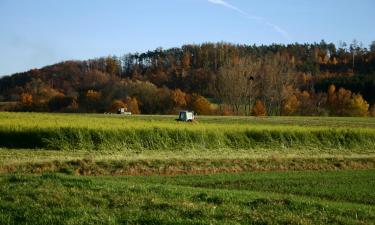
186 116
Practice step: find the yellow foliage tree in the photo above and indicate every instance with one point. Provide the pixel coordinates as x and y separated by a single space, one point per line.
112 66
344 103
358 106
331 95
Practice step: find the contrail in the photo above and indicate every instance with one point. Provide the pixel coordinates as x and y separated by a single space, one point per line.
227 5
275 27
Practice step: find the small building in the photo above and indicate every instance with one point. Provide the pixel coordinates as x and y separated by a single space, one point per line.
123 111
186 116
120 110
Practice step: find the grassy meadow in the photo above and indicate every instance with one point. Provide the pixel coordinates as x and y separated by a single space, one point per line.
339 197
113 169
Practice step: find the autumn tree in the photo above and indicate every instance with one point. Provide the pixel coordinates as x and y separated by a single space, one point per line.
112 66
40 92
304 103
291 105
259 109
308 104
131 104
275 82
117 104
74 107
200 104
94 79
92 101
179 98
60 103
26 99
235 75
344 103
234 85
163 102
224 110
358 106
185 63
146 93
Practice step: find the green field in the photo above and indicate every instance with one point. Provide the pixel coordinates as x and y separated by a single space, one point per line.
345 197
111 169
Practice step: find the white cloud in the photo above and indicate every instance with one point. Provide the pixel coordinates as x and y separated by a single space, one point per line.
275 27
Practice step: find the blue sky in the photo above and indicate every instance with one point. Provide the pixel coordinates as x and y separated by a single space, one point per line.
35 33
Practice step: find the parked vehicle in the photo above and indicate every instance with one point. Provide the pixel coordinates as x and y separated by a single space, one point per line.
186 116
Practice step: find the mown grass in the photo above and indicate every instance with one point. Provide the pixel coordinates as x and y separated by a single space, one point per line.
356 186
195 165
99 132
260 199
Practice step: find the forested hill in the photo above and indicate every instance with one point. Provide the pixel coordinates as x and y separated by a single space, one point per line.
211 78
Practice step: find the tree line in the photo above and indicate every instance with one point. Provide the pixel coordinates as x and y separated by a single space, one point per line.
211 78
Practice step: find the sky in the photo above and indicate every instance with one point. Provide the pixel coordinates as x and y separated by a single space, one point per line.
36 33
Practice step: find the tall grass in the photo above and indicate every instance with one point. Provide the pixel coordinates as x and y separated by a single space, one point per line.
154 138
87 132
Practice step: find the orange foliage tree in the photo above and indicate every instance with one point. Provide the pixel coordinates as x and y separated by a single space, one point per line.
132 105
291 105
304 103
26 99
258 109
200 104
117 104
179 98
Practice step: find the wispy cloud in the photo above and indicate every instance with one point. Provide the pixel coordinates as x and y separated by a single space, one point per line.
275 27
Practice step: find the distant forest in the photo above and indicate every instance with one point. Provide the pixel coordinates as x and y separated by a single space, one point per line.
211 79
